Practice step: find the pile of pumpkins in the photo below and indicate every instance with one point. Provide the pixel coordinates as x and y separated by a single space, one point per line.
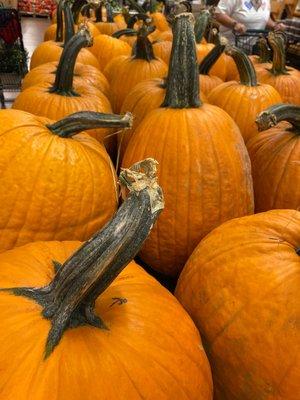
196 127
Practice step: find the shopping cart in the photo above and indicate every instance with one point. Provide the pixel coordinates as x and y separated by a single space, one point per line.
247 41
13 56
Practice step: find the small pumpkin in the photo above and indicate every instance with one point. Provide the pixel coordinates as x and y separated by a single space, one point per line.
129 34
51 51
208 81
83 74
124 72
241 287
105 48
189 139
61 185
109 26
264 54
285 80
158 18
60 99
275 155
243 101
78 303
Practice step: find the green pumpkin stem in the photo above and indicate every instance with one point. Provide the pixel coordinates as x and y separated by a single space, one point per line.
264 53
59 22
210 59
109 13
76 9
214 36
98 13
63 83
183 80
277 45
69 23
85 120
124 32
201 25
69 300
136 6
277 113
244 65
143 49
152 6
136 17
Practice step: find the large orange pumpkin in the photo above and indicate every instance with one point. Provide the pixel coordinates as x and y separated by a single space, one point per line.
285 80
208 81
244 100
51 51
124 72
241 287
60 99
275 158
205 168
95 330
83 74
59 186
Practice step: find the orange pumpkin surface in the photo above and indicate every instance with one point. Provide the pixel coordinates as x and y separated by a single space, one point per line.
275 158
116 329
245 100
58 187
241 287
205 169
208 81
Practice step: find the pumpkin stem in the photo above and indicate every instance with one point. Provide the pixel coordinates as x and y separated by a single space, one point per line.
277 45
183 80
98 13
63 83
69 300
264 53
152 6
109 13
136 17
244 65
59 22
84 120
277 113
210 59
201 25
136 6
69 23
126 32
143 49
298 251
76 9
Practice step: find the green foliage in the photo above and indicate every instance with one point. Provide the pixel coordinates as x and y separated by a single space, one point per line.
13 59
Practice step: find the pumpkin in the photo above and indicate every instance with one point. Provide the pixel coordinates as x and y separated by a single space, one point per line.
51 51
285 80
158 18
50 33
61 185
275 155
165 36
109 26
244 100
60 99
264 54
129 34
208 81
241 287
95 321
189 139
105 48
162 49
83 74
124 72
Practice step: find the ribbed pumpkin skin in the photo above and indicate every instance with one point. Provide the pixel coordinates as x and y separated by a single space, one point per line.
143 98
50 32
166 35
288 86
241 287
244 103
84 75
232 74
38 101
162 49
208 82
159 20
105 48
107 28
275 158
55 188
204 170
140 356
51 51
123 73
